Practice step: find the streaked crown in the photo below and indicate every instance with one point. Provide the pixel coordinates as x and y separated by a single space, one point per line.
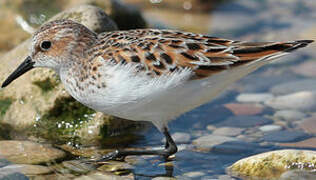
59 42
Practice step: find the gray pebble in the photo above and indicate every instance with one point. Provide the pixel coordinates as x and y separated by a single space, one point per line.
289 115
77 166
194 174
285 136
244 121
270 128
211 140
302 101
228 131
254 97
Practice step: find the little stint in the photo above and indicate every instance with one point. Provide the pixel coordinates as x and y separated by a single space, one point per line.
145 74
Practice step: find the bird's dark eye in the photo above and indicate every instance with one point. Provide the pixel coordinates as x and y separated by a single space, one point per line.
45 45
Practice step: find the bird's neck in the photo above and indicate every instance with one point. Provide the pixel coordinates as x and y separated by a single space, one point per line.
77 69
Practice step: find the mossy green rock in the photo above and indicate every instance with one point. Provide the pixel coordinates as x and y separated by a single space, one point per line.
271 165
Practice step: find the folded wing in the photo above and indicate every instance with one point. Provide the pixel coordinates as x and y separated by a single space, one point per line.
164 51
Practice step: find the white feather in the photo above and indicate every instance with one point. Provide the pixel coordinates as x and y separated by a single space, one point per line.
159 100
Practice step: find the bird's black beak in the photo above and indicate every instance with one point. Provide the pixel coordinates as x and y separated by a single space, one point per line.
26 65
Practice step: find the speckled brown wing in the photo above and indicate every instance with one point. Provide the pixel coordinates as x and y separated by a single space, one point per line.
164 51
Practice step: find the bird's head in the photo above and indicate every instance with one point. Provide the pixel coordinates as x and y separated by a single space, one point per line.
55 45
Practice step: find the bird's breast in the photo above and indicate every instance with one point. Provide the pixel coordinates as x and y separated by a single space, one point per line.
119 91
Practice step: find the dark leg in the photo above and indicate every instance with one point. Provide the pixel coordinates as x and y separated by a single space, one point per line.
170 148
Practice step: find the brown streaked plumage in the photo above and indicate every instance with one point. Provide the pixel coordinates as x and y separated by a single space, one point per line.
162 50
145 74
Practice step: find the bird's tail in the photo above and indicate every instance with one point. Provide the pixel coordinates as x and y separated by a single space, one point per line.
247 51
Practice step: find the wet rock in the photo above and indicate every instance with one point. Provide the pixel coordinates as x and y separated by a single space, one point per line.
270 128
228 131
209 141
309 125
307 143
244 121
285 136
103 175
116 167
306 69
225 177
289 115
302 101
194 174
167 165
77 166
254 97
85 152
298 175
27 152
245 109
271 165
200 117
235 147
294 86
28 169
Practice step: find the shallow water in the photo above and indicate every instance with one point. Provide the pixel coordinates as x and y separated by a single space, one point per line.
266 20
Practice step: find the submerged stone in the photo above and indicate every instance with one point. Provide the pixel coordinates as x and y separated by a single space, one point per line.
243 121
77 166
285 136
115 167
28 169
228 131
27 152
254 97
208 142
301 101
245 109
289 115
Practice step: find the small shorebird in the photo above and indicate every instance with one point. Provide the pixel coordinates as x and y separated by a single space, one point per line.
145 74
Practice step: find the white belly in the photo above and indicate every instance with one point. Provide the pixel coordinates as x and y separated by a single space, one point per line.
157 100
